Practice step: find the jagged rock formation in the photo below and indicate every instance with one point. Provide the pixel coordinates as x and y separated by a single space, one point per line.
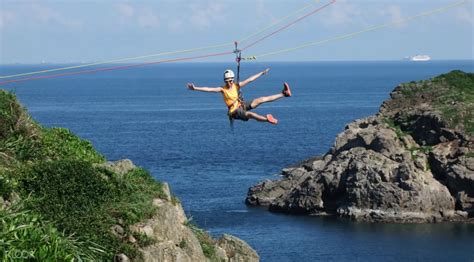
177 242
412 162
172 239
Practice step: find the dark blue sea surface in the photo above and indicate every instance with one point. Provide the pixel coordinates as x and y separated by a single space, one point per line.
183 137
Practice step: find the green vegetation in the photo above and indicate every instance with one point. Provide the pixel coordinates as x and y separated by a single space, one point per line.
452 94
60 143
457 103
206 241
410 91
21 139
175 200
143 239
68 200
13 118
68 192
398 131
459 80
423 149
183 244
469 154
87 201
26 236
18 133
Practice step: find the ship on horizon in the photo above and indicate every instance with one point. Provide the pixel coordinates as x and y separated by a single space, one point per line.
420 58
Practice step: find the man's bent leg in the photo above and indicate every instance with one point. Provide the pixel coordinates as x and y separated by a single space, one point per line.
256 116
269 118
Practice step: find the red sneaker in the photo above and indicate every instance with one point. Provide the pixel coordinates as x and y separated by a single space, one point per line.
286 90
272 120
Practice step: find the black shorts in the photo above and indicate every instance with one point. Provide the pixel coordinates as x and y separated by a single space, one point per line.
239 113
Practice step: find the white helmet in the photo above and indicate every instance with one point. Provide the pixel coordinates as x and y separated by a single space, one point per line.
228 74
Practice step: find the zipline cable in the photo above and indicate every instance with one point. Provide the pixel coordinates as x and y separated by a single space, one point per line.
245 38
288 25
114 68
255 42
117 60
345 36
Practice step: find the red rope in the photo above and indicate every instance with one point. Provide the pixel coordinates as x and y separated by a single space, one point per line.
112 68
169 60
288 25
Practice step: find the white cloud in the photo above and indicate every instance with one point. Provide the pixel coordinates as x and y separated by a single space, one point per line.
46 15
200 19
175 25
34 12
352 13
208 14
125 13
125 10
263 11
142 16
147 18
6 17
43 14
342 13
464 15
394 13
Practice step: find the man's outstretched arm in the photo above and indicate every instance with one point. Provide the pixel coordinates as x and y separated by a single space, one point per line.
191 86
253 78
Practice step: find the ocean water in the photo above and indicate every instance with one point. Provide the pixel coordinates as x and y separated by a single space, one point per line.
183 137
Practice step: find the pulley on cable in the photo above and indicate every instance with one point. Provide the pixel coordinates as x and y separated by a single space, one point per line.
238 58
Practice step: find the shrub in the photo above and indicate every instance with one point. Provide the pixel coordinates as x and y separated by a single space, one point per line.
26 236
206 241
456 101
70 193
391 124
60 143
6 185
133 196
18 132
21 139
86 200
143 240
14 120
458 79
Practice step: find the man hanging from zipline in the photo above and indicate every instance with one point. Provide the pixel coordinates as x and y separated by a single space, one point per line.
238 108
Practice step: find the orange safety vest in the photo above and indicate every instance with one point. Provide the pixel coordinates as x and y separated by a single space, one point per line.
231 97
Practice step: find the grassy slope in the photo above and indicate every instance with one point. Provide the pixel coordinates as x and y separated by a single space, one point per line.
457 105
451 94
68 203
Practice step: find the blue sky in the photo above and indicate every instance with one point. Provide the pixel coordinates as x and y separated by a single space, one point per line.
61 31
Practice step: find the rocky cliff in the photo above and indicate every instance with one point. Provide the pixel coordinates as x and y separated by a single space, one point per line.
411 162
172 237
60 200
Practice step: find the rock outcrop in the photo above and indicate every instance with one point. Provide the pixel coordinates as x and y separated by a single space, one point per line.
175 241
79 206
412 162
171 236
